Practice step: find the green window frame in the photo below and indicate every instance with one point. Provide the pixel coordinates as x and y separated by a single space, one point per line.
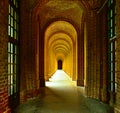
112 48
13 52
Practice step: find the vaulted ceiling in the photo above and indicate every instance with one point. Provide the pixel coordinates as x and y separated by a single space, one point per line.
61 22
61 33
69 10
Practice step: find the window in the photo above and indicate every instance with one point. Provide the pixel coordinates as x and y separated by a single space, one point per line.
13 52
112 48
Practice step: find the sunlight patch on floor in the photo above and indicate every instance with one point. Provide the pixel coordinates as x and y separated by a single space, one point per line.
60 78
59 75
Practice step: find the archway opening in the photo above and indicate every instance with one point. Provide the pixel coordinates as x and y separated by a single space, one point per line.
60 44
60 64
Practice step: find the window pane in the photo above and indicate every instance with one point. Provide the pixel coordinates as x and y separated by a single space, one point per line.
8 79
111 31
111 46
12 21
8 57
8 46
15 25
15 16
9 68
15 49
11 58
111 76
15 36
16 4
111 1
9 30
9 20
11 48
11 11
111 86
11 89
15 59
14 1
111 22
15 69
108 3
11 82
111 13
115 30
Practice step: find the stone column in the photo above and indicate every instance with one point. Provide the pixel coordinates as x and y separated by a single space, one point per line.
80 41
93 56
103 39
41 56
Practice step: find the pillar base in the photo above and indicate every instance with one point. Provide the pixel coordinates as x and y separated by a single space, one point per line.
32 93
104 95
23 96
42 82
112 98
80 82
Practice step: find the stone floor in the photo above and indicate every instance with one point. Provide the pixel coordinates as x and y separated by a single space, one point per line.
62 96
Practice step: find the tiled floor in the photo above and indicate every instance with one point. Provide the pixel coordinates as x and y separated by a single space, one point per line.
61 96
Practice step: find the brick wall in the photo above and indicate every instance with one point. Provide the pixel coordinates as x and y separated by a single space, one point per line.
93 57
96 77
3 57
102 33
28 78
93 75
28 88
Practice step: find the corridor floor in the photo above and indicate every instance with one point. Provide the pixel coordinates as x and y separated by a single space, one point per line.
61 96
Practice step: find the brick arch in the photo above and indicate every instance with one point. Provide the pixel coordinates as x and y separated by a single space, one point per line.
58 25
36 17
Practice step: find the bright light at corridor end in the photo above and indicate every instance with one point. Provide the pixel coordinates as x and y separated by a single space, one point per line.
59 75
60 79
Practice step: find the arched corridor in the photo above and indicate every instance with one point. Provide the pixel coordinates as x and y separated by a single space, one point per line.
60 45
62 96
76 40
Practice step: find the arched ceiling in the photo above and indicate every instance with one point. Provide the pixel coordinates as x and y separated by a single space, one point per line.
61 28
49 10
57 18
60 37
61 23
